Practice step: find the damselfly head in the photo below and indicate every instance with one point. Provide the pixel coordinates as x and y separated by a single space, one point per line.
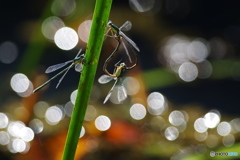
82 55
109 23
122 64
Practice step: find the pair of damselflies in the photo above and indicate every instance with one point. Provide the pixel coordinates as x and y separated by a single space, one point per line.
117 33
77 62
121 38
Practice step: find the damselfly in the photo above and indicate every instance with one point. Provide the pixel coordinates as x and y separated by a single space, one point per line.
77 62
119 35
121 90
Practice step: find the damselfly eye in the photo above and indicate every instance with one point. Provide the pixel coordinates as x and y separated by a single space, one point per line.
109 23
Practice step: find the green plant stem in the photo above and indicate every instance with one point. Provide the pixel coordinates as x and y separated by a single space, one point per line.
96 37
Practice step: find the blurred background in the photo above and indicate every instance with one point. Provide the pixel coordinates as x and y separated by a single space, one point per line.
183 96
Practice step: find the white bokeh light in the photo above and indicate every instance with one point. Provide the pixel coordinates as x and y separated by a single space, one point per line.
26 134
66 38
211 119
138 111
176 118
156 103
3 120
84 30
82 132
198 50
171 133
14 128
73 96
102 123
68 108
53 115
188 71
224 128
36 125
200 125
19 145
20 83
50 26
4 138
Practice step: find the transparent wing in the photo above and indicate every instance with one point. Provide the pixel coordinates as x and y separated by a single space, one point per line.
126 50
78 67
110 92
126 26
129 41
105 79
121 93
57 66
60 80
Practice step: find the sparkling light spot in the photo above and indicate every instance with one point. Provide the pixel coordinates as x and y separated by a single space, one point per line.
19 83
73 96
82 132
3 120
223 128
53 115
188 71
50 26
68 108
171 133
156 103
102 123
4 138
19 145
211 119
14 128
36 125
66 38
8 52
200 125
176 118
26 134
138 111
198 50
84 30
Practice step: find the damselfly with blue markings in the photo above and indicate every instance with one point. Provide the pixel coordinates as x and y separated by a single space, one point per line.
77 62
121 37
121 90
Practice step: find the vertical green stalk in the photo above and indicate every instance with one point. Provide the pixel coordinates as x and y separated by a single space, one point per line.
96 37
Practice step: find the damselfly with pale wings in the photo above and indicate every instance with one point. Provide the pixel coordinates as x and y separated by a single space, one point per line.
117 33
121 90
77 62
